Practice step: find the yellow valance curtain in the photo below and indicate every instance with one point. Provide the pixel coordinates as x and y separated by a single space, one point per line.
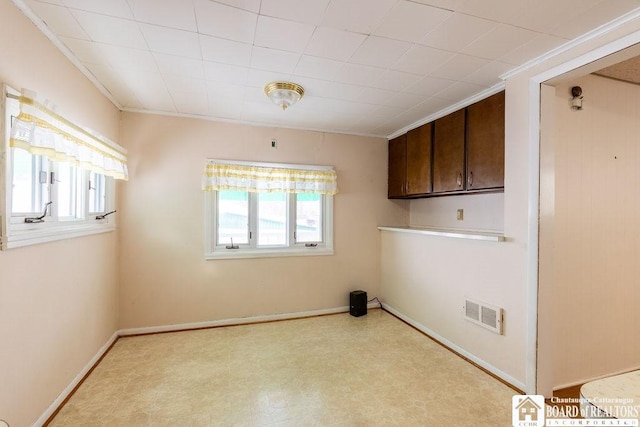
264 177
40 130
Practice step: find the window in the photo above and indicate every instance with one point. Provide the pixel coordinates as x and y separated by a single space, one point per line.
60 178
257 210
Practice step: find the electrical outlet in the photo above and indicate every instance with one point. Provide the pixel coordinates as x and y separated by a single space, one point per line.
460 214
274 144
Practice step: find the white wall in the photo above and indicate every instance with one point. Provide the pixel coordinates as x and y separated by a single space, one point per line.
592 233
482 211
165 278
58 301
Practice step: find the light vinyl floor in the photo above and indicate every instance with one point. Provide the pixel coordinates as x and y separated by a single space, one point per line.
333 370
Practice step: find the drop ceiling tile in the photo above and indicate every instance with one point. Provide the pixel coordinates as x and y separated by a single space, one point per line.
117 8
126 59
384 113
112 81
219 90
281 34
379 51
150 90
321 68
489 75
584 19
362 75
334 44
458 91
226 108
493 10
404 100
371 95
360 16
172 41
56 2
177 14
499 41
536 47
396 80
250 5
59 20
257 79
85 51
411 21
459 67
179 84
224 21
225 51
328 89
457 32
225 73
191 103
110 30
305 11
185 67
428 86
422 60
274 60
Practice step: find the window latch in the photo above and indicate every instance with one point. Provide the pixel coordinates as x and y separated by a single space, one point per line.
98 217
310 245
39 218
232 246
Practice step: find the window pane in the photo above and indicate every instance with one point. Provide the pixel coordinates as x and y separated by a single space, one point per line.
97 192
29 194
272 219
308 218
69 183
233 217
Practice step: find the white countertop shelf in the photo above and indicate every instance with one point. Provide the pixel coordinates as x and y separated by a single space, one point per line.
446 232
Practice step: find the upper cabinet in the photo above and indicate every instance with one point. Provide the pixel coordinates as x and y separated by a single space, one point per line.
485 143
459 153
448 153
410 163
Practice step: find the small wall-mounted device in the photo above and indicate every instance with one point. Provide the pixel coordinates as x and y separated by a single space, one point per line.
274 143
576 100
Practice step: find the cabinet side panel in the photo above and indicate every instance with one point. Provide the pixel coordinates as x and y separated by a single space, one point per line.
397 166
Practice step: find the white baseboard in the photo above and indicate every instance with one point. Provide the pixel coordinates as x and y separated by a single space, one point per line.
235 321
67 391
495 371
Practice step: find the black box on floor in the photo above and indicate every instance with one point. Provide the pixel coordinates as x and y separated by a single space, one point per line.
358 303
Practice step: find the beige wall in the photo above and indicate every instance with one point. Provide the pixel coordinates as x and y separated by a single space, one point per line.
592 230
58 301
480 212
164 276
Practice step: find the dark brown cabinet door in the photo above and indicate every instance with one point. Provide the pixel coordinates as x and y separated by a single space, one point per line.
419 160
485 143
397 166
448 153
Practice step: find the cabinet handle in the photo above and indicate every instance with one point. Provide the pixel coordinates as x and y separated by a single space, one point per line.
459 180
470 179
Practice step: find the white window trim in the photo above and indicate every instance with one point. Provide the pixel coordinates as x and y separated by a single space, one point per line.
213 251
14 233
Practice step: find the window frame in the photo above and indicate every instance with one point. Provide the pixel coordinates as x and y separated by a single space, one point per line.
214 250
14 231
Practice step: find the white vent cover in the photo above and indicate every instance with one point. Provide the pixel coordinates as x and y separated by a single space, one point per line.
485 315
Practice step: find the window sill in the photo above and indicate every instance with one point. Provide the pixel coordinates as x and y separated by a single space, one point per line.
267 253
17 239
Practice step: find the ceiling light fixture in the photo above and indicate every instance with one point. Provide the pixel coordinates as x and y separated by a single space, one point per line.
284 94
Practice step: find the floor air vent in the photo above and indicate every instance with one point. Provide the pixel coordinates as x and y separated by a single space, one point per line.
485 315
